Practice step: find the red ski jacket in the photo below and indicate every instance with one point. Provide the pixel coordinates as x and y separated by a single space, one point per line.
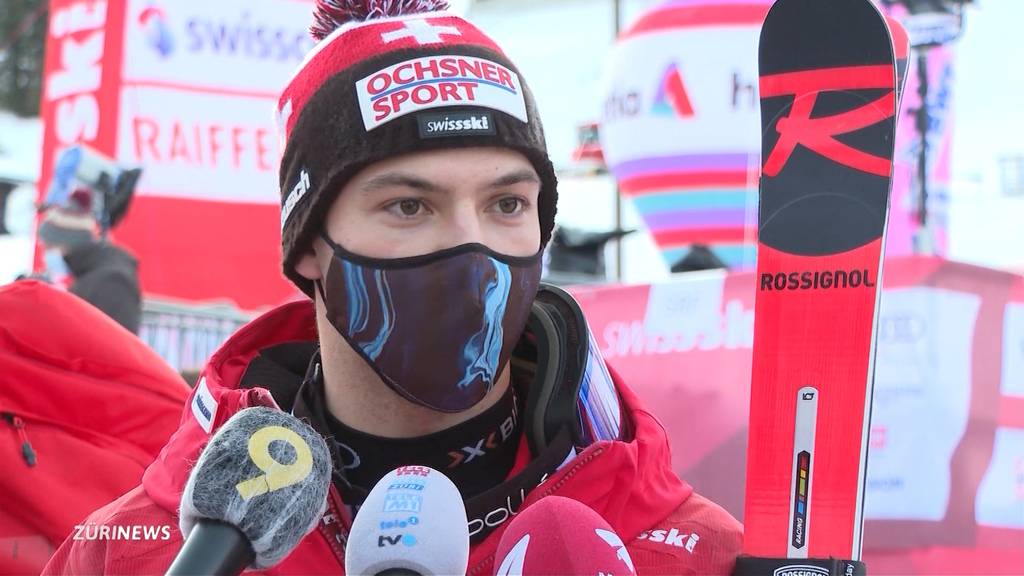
668 528
85 406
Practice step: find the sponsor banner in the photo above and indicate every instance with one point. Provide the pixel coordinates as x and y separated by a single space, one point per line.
686 315
218 46
80 81
923 367
186 91
200 146
941 476
679 354
206 159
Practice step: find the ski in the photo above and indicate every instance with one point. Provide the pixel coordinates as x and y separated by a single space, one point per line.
829 96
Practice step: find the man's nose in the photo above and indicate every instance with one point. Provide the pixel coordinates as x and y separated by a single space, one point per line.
464 226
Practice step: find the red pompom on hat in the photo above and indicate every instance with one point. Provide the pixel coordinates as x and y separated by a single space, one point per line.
331 14
80 201
391 77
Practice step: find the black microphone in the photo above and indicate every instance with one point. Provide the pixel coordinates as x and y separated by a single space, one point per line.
259 487
413 523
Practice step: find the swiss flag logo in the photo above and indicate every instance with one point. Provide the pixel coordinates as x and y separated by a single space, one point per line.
422 31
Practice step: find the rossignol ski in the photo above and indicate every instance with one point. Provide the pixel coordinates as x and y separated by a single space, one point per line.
829 97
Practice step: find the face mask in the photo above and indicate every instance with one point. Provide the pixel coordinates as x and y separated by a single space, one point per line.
56 267
439 328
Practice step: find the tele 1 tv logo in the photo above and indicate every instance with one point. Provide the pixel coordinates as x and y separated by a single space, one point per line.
392 524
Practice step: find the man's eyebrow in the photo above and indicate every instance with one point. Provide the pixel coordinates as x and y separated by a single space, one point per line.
515 177
398 179
404 180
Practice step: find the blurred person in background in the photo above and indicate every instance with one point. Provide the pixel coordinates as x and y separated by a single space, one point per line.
79 256
700 257
427 338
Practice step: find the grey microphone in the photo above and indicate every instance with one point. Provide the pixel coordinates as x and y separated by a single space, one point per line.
413 523
259 487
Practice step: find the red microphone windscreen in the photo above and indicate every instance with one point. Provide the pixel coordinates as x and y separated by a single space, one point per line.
558 536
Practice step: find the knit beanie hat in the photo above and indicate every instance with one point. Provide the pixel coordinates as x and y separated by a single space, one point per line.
391 77
71 223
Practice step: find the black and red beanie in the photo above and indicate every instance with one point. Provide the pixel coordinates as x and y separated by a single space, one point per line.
390 77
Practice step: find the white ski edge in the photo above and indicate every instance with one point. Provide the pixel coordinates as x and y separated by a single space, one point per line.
869 390
806 424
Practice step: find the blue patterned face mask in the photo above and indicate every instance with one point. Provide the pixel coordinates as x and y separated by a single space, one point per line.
437 328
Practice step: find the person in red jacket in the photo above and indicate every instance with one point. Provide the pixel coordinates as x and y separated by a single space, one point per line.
417 198
85 407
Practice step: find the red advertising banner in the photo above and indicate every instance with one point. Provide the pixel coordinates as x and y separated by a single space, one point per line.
185 90
945 489
82 75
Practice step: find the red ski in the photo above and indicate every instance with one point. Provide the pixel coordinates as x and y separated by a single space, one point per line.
828 100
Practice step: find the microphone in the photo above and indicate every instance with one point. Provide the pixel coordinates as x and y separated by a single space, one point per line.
413 523
558 536
259 487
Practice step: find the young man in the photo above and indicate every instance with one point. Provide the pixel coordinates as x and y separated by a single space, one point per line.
417 197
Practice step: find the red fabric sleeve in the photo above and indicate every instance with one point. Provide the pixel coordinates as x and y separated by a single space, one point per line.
131 535
700 537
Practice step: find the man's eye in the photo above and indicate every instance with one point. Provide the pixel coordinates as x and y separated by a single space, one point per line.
409 207
510 205
406 208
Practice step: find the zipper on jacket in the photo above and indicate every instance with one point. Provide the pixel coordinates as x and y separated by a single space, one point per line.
334 526
27 452
577 463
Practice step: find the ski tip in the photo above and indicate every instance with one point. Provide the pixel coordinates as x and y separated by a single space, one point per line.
795 34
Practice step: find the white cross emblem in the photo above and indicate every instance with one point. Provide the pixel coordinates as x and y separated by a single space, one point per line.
424 32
